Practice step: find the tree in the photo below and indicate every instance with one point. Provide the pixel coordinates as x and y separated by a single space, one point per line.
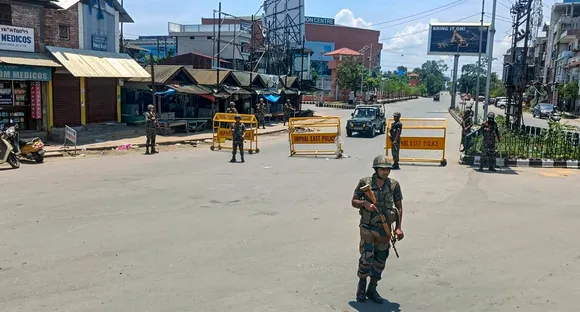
349 73
431 74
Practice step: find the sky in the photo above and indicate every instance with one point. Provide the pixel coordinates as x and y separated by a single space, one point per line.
403 24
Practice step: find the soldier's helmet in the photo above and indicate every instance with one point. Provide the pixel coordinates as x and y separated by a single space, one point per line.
232 104
491 115
150 107
238 117
382 161
397 114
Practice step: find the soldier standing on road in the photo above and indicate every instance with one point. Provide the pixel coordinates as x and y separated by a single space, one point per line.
238 132
261 109
490 133
287 111
466 124
151 125
395 136
232 109
375 242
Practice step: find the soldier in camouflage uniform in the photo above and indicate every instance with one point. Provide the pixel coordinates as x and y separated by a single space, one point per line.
375 243
466 124
238 132
261 112
490 132
287 111
151 124
232 109
395 136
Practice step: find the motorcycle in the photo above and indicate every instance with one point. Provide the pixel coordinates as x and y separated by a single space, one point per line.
31 150
7 154
555 116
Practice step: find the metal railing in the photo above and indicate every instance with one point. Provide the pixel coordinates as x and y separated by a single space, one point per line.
530 142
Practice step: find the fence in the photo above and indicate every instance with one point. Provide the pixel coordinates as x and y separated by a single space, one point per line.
222 131
528 142
315 132
433 138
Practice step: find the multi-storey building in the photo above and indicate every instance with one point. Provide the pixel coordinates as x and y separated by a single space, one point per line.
60 62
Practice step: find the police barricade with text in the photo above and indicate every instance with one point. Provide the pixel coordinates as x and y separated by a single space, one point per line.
222 131
315 131
431 137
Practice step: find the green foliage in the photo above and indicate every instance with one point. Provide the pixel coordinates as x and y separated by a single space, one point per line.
568 91
314 75
349 73
431 75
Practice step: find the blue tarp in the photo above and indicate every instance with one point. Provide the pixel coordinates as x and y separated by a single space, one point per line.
272 98
166 93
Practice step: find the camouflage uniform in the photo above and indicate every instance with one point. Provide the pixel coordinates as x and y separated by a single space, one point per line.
374 243
232 109
150 129
287 110
396 127
466 123
261 108
238 132
490 132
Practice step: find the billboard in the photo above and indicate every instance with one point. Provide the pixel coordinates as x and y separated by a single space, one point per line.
456 38
283 21
319 49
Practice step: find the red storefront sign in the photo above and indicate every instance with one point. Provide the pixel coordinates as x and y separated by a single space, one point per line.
35 101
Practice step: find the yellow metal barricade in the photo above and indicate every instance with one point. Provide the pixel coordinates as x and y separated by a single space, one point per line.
222 132
315 131
434 131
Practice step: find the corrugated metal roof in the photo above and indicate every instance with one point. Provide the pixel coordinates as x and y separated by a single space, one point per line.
88 63
287 82
208 77
236 90
243 77
27 58
191 89
162 73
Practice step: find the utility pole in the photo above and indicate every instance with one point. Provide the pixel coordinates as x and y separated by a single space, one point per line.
489 57
218 43
478 70
122 43
153 87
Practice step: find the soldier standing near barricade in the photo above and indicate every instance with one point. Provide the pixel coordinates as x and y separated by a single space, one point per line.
375 242
490 133
232 109
466 124
288 109
395 136
151 125
238 132
261 112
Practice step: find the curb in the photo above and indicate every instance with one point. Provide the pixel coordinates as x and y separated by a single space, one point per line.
352 106
533 163
59 153
454 115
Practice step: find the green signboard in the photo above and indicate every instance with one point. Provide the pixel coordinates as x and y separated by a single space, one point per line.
8 72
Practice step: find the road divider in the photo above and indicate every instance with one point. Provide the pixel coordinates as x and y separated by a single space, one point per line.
315 132
222 132
434 139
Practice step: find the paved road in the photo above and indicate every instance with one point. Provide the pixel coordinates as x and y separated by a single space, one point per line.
187 231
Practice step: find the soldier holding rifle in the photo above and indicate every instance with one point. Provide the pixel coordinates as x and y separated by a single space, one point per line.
379 200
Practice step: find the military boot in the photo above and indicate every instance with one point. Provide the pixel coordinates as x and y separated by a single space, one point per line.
233 160
147 150
373 294
361 295
243 159
396 166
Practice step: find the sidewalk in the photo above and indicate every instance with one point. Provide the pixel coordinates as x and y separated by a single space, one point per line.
55 150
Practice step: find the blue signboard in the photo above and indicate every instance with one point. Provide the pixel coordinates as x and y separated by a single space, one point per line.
319 49
99 43
453 39
319 20
8 72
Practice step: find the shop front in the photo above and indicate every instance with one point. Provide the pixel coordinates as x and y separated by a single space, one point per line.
23 96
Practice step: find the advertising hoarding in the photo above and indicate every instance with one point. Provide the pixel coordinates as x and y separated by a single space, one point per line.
319 49
456 38
14 38
284 19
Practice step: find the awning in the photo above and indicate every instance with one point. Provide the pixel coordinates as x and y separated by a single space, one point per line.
236 90
264 91
96 64
272 98
27 59
190 89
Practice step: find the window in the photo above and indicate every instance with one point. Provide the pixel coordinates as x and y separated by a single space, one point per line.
5 14
64 32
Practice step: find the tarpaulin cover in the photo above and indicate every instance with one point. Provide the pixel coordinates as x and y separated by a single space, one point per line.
272 98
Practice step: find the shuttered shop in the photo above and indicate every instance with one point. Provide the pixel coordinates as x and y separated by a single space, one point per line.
67 100
101 99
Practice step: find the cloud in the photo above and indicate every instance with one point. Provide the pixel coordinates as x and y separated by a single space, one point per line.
411 37
346 17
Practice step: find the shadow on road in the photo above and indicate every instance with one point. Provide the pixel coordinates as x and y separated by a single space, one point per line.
386 306
499 171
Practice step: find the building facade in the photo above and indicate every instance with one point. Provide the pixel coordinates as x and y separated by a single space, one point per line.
161 47
61 67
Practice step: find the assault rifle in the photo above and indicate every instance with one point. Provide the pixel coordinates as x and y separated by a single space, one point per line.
371 196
